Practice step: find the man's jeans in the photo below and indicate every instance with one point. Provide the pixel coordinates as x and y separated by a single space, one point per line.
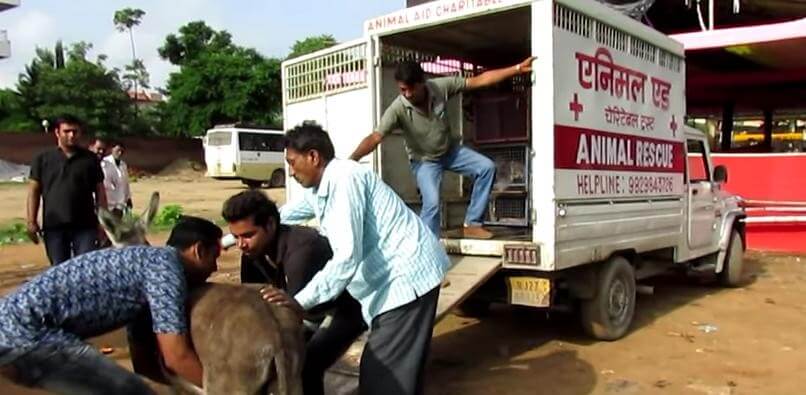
461 160
63 244
77 370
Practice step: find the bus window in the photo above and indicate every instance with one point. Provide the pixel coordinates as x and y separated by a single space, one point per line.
260 142
215 139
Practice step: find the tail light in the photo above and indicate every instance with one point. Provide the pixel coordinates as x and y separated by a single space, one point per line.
521 254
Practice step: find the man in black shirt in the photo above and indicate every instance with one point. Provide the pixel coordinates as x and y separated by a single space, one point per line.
65 179
288 257
99 148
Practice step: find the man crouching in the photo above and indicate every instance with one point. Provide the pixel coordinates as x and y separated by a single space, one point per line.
45 322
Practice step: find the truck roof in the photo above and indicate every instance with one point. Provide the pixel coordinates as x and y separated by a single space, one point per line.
443 11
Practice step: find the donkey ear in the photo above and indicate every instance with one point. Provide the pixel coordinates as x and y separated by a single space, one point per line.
151 210
110 223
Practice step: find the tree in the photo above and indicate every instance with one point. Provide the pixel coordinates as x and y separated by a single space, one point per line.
13 118
311 44
195 39
58 53
136 74
78 51
218 82
83 88
43 62
126 19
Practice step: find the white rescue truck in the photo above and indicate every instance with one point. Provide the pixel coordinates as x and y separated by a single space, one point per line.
599 182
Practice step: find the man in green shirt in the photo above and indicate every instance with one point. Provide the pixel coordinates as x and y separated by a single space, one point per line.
420 111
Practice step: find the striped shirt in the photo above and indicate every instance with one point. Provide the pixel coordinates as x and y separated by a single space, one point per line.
383 254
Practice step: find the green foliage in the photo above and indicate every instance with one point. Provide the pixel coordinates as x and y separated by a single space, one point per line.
83 88
13 234
311 44
127 18
195 39
78 52
58 52
167 216
13 118
135 74
218 82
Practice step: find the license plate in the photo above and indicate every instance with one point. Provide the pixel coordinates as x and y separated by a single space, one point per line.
529 291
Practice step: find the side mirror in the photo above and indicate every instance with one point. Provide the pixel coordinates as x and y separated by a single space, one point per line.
721 174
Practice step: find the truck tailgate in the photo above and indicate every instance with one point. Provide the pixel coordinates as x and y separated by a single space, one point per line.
467 273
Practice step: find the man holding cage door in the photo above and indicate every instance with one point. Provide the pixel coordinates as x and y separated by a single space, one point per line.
420 111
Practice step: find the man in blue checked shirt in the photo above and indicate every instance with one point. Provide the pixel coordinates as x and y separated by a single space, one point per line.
44 323
383 255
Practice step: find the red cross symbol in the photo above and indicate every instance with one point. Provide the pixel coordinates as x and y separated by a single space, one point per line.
576 107
673 126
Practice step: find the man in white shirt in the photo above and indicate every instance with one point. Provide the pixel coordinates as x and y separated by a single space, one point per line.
116 181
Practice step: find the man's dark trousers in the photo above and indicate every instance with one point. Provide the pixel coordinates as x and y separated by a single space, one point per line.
395 354
63 244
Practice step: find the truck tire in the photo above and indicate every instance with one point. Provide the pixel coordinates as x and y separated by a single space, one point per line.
608 315
731 274
277 179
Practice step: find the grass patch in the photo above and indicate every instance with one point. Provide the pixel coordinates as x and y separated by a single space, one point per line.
164 220
167 217
15 233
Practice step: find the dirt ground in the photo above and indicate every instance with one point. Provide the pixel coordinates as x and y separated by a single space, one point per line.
687 338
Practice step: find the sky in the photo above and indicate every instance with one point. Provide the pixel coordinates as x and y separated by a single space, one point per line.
270 26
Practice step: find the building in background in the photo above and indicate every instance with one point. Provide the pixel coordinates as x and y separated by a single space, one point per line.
5 43
146 98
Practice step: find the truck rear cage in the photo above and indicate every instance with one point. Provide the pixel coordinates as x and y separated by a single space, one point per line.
575 22
509 200
344 68
392 55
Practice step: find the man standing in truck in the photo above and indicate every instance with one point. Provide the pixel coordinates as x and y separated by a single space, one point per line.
420 111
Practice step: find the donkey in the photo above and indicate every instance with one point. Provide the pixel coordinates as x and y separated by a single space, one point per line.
246 346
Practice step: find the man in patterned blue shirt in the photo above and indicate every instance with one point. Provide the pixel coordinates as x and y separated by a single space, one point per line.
383 255
44 323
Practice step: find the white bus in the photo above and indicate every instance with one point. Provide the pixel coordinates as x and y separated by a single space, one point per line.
252 155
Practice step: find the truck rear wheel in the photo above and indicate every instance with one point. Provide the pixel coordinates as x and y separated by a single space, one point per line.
608 315
731 274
